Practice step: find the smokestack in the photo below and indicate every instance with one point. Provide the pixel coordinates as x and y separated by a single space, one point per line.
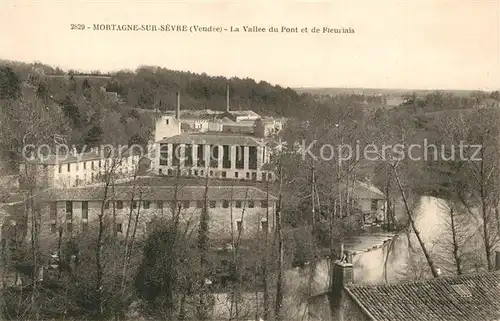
497 261
227 98
178 108
342 275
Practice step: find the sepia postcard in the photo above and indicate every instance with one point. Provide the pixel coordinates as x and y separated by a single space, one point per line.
212 160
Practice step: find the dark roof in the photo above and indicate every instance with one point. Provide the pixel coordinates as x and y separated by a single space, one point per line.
365 190
218 138
83 157
161 180
243 113
477 298
157 193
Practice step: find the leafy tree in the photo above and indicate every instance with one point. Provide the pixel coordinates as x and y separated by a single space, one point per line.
71 111
94 136
86 88
10 85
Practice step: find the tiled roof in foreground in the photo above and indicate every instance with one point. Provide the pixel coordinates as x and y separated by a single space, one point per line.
157 193
473 297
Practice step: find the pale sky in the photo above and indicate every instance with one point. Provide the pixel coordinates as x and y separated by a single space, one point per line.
427 44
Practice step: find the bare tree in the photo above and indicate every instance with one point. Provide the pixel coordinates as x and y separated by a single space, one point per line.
25 123
203 248
475 173
279 239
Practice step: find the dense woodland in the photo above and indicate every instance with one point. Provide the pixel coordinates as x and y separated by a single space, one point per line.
102 276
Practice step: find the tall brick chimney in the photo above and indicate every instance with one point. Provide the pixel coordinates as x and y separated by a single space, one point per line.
178 107
497 261
342 275
227 98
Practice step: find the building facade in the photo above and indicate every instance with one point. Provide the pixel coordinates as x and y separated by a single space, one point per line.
225 156
370 201
232 209
74 169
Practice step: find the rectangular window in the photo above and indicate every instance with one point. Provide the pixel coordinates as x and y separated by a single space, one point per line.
119 205
212 204
106 205
146 204
176 151
240 157
69 207
119 227
224 174
226 156
236 175
201 156
239 225
134 204
374 205
248 175
60 168
85 210
69 167
53 211
251 204
188 155
185 204
214 156
159 204
239 204
53 228
164 154
85 226
100 164
225 204
84 165
263 176
252 157
92 165
264 204
199 204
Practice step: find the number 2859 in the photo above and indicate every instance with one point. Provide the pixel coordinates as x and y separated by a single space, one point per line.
77 27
